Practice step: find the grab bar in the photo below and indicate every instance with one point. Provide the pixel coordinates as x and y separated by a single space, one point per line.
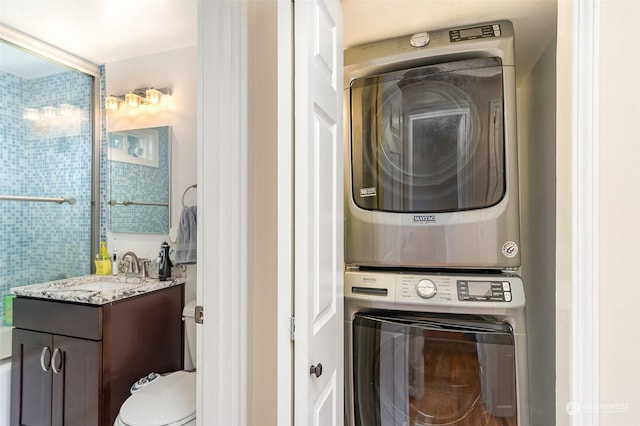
57 200
137 203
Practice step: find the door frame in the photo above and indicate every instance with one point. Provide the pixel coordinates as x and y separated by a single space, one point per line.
227 33
222 231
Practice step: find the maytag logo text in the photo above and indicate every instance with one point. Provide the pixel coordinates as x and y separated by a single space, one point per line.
422 218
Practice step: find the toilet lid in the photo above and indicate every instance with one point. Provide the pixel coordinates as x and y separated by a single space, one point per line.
164 401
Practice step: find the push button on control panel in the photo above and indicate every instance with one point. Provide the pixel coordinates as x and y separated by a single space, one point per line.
506 288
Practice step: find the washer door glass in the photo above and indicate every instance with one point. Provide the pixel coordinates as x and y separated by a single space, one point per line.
417 370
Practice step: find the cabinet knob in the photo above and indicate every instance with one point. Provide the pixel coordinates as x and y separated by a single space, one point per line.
316 369
47 366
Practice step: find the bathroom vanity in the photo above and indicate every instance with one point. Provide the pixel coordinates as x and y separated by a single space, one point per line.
73 362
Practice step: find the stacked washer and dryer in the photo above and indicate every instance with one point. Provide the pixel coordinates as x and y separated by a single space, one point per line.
434 307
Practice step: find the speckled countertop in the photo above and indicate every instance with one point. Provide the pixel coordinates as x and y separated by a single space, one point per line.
94 289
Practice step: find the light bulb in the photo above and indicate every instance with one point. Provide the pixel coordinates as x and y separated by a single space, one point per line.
66 110
31 114
133 100
112 103
154 96
48 112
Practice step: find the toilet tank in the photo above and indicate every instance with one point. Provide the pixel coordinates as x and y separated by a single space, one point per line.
188 314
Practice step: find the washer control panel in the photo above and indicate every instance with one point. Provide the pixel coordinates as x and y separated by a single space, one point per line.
484 291
407 288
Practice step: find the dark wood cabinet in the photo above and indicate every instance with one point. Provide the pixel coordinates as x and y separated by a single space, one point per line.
56 372
73 364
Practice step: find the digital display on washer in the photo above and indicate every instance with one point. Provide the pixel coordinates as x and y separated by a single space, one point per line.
479 288
475 33
484 291
471 32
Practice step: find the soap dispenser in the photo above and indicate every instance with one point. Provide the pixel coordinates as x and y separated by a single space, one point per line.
165 263
103 260
114 263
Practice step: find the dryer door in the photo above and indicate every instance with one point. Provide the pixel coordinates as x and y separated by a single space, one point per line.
424 370
429 139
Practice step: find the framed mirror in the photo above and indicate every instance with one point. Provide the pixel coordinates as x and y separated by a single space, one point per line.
139 167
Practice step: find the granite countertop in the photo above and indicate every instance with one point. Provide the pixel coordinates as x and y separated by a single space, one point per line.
94 289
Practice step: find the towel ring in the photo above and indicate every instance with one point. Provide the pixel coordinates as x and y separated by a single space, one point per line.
195 185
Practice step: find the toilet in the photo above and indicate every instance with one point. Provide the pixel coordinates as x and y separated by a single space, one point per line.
165 400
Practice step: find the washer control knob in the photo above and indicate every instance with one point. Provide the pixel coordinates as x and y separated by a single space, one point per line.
426 289
419 39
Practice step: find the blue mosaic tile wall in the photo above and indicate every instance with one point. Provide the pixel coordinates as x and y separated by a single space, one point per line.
104 166
49 157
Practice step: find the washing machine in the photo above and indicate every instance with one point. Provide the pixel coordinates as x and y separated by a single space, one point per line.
435 348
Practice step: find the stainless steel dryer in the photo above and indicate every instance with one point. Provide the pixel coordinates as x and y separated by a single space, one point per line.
435 349
431 160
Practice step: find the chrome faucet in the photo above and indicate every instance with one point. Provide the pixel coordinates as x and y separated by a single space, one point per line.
134 265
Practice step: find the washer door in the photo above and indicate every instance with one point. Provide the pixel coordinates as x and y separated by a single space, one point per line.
419 370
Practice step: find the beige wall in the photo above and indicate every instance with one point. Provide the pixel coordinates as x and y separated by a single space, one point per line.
619 229
537 143
262 348
564 190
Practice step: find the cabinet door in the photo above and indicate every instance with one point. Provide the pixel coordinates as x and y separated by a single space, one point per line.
76 368
31 378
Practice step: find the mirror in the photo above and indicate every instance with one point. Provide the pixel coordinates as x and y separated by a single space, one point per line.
139 167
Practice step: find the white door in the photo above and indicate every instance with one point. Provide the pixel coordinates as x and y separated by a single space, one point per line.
318 229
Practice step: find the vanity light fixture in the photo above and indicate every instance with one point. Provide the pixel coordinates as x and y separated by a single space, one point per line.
136 98
50 112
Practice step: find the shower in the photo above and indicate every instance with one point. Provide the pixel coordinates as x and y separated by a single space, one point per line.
49 173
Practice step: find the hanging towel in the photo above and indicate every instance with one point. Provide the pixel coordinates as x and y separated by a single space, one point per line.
187 236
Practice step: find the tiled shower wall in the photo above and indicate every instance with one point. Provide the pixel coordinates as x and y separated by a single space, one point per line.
51 157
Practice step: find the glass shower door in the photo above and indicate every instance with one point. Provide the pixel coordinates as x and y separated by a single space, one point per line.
46 151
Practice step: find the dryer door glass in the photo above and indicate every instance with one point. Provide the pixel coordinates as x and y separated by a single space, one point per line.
417 370
429 139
